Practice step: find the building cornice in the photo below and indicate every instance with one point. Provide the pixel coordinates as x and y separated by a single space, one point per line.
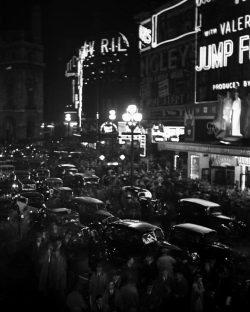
204 148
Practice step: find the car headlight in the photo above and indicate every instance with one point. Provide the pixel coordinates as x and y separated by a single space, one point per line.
194 256
242 224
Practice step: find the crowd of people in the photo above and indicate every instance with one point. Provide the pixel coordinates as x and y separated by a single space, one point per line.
150 284
153 283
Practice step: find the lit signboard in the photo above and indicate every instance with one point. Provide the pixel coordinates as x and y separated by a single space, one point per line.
145 35
166 29
162 27
222 47
104 46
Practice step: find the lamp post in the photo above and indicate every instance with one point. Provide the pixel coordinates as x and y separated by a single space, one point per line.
122 157
112 118
132 119
68 120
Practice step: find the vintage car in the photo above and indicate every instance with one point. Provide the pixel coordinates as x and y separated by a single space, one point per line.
22 174
52 182
126 238
201 240
137 191
91 210
209 214
80 179
65 169
40 174
5 187
60 216
60 197
34 199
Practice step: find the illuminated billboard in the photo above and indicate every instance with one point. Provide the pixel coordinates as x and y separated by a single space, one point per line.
222 47
168 25
166 29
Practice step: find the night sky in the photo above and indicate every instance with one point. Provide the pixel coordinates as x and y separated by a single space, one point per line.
65 26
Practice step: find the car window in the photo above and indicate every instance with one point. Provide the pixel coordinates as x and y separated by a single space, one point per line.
214 209
193 238
120 234
159 234
185 236
178 235
133 238
211 238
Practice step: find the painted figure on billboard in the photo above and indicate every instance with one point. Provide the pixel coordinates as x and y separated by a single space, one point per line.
236 112
227 124
221 126
227 114
246 131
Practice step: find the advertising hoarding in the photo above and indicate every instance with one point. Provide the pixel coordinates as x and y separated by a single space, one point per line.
222 47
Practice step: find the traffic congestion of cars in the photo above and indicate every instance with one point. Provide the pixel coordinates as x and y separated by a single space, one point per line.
77 201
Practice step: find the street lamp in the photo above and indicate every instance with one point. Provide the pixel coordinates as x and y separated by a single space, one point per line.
122 157
112 118
68 120
132 119
101 157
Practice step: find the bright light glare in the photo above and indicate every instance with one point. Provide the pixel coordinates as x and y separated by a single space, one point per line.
126 117
122 157
137 117
132 109
68 117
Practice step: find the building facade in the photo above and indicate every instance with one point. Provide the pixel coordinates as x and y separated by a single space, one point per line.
21 83
195 74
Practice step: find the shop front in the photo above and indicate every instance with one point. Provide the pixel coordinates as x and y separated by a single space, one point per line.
215 164
244 163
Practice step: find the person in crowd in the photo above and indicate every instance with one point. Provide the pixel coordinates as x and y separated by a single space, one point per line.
210 280
97 284
53 277
75 301
224 289
180 291
129 297
99 304
95 249
147 209
111 296
197 294
134 208
117 278
38 248
130 270
166 262
163 289
148 298
148 270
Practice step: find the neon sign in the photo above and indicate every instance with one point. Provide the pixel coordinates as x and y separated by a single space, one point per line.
145 35
104 46
201 2
161 28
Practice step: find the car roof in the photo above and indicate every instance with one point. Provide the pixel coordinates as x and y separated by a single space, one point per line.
31 194
58 210
54 179
66 165
63 188
140 226
88 200
202 202
194 228
133 188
